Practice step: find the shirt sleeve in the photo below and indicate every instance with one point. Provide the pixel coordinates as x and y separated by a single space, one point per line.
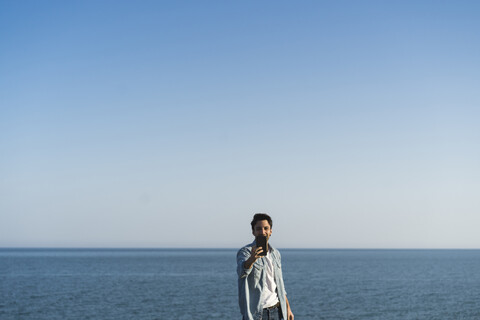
242 255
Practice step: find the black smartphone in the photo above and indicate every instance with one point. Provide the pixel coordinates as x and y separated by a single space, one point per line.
262 241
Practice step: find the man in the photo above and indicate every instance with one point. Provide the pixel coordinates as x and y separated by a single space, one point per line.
261 292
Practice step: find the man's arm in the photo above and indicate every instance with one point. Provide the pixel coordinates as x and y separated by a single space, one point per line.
245 260
253 257
289 311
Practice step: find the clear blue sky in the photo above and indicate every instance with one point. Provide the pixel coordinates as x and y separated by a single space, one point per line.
355 124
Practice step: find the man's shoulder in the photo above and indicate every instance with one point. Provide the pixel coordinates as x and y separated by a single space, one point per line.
274 249
247 247
275 252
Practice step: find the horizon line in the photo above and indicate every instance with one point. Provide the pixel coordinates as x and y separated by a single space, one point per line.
229 248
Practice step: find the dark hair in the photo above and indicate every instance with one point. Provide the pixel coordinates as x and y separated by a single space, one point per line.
259 217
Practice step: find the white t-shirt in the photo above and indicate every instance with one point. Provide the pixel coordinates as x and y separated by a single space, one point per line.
270 297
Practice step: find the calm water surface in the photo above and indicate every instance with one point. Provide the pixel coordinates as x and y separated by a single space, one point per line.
202 284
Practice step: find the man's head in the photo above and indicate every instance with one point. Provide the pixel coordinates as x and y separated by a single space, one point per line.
262 225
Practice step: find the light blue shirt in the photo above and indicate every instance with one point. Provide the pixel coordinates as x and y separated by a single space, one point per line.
251 283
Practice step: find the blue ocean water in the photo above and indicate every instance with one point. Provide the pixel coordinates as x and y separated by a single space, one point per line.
202 284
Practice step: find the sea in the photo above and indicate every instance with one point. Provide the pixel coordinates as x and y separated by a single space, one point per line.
202 284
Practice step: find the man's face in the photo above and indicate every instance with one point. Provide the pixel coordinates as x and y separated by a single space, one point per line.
262 228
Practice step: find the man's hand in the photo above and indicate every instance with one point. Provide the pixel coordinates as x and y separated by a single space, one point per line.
290 315
256 251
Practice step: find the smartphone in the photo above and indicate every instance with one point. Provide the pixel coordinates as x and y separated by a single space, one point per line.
262 241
